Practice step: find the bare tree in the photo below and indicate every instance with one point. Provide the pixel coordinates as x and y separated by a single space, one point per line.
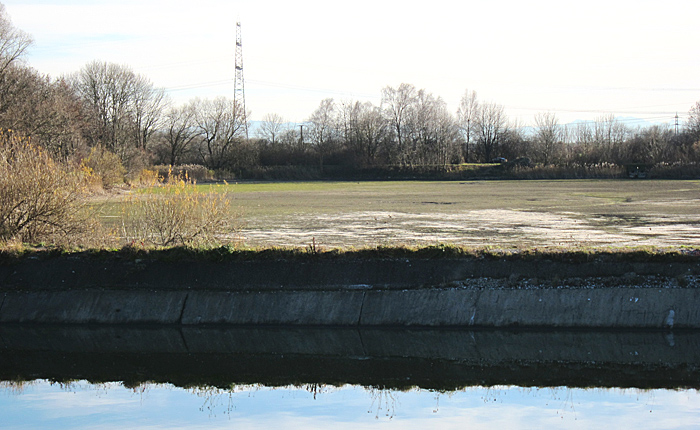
17 82
490 129
147 109
608 135
372 130
398 103
583 142
693 123
43 109
433 131
468 108
447 137
364 129
271 127
180 131
548 138
13 42
125 107
221 124
323 128
649 145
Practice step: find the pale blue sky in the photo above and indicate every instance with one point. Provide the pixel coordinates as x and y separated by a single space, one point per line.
578 59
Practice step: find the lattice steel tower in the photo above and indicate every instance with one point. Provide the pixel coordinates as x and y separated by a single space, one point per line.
239 82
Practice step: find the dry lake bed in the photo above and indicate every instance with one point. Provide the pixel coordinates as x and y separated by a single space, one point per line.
501 214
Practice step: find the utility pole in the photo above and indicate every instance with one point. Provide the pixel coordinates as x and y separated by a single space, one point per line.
239 82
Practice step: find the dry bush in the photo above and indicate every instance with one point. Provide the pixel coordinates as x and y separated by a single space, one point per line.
195 172
40 198
177 213
105 166
147 178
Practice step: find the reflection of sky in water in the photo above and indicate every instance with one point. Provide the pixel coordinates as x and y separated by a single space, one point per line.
111 406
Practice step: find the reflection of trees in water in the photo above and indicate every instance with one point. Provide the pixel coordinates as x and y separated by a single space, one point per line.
384 402
492 394
564 395
216 398
562 398
16 387
316 388
562 402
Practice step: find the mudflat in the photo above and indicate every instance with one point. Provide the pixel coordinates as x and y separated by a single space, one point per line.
504 214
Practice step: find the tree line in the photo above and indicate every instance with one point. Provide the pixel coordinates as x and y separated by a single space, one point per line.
109 106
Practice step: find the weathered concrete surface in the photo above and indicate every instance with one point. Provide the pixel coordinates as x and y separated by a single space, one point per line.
551 307
340 308
107 307
603 307
428 307
351 292
438 307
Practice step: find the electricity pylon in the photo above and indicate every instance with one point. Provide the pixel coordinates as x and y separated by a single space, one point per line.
239 82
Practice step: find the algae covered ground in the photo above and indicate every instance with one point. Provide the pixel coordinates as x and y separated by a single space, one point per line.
503 214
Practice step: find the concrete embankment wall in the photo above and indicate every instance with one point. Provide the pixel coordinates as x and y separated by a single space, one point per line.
366 293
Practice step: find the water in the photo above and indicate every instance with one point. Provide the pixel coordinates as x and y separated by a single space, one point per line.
43 405
254 378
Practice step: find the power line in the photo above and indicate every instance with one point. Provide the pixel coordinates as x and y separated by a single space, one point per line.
199 85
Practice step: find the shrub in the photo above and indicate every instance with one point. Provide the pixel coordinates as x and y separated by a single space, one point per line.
195 172
675 171
106 166
178 213
40 198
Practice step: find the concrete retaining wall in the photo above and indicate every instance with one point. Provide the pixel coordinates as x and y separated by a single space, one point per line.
429 307
341 308
350 292
551 307
105 307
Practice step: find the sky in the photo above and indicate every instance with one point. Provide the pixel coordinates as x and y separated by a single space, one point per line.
580 60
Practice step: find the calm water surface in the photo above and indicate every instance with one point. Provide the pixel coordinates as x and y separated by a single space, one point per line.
41 404
309 378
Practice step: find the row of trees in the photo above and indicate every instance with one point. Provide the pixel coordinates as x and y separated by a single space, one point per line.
110 106
412 127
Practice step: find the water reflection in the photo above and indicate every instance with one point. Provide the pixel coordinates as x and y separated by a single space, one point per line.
347 378
433 359
42 404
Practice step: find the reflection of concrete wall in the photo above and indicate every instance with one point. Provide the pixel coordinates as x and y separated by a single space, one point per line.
430 307
441 359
